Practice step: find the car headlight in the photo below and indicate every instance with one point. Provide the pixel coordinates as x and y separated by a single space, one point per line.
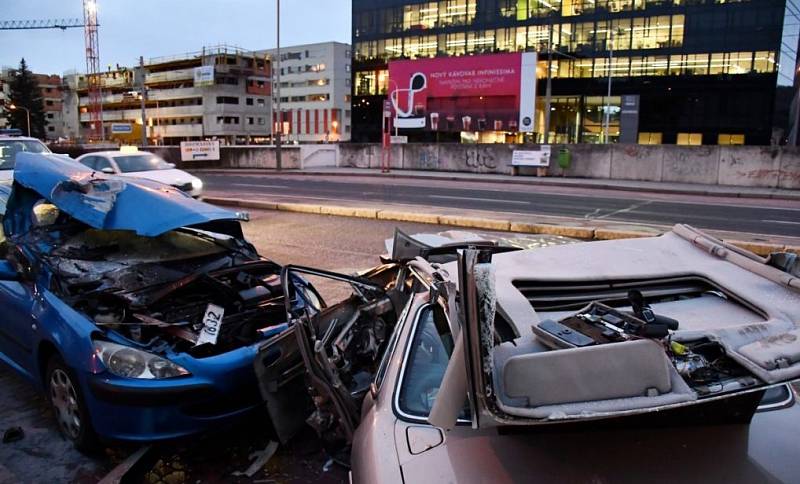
197 183
132 363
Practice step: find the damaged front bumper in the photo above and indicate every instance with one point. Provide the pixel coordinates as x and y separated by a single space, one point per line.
219 390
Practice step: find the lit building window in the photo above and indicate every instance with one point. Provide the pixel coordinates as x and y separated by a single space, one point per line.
539 37
365 83
482 41
456 44
456 12
764 62
424 16
677 30
730 139
422 46
383 81
690 139
392 49
651 32
505 40
650 138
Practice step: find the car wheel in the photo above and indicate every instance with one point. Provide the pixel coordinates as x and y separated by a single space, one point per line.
68 406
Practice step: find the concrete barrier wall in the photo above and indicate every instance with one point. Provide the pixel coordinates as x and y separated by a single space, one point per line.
230 156
746 166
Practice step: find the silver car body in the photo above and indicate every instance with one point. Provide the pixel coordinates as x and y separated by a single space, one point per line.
439 408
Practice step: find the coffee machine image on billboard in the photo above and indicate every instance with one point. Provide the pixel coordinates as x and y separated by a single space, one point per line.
495 92
413 113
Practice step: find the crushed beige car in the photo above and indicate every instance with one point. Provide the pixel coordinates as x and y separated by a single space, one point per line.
662 358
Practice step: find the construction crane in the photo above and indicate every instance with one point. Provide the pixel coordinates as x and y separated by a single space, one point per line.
89 25
95 107
63 24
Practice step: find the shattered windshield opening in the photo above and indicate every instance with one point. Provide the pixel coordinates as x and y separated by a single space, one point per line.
121 245
10 149
143 162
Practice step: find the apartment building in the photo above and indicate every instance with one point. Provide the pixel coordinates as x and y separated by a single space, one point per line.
51 88
220 92
4 99
315 92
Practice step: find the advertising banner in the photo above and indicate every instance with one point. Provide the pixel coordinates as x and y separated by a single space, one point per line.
199 150
203 76
471 93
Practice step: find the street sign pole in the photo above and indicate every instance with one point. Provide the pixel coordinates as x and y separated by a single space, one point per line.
386 159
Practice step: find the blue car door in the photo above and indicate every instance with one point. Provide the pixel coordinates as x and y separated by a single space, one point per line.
17 331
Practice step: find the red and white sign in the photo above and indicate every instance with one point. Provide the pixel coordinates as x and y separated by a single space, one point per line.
471 93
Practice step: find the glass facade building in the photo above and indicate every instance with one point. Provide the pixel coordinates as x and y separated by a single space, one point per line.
699 71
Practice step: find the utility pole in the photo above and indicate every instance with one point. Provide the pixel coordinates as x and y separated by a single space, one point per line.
607 119
277 76
143 96
549 92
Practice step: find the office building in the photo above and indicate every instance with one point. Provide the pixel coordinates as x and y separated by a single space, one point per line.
679 71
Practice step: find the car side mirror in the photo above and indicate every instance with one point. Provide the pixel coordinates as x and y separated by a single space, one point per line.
7 271
108 170
170 165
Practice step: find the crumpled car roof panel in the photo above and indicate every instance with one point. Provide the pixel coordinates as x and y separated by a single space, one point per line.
112 203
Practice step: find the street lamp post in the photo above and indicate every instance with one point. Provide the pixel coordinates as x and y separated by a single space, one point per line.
277 75
27 114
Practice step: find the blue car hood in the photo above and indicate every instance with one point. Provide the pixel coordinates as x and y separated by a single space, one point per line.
104 201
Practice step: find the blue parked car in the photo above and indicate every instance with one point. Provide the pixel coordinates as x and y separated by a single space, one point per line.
136 308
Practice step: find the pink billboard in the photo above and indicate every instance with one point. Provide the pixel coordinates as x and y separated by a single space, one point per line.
472 93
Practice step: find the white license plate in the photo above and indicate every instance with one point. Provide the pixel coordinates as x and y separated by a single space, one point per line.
212 321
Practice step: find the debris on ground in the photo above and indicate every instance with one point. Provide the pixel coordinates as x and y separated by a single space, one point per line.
260 459
13 434
132 468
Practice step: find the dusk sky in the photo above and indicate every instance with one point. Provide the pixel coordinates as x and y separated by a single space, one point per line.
155 28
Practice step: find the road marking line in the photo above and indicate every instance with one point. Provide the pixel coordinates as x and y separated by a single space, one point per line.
256 185
625 210
781 222
450 197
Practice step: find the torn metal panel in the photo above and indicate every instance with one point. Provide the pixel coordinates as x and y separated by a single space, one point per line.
107 202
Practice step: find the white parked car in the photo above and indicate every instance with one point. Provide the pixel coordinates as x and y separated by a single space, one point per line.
10 146
141 164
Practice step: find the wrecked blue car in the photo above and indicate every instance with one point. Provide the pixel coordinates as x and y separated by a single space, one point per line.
135 308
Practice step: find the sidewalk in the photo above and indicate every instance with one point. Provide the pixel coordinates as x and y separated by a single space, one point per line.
621 185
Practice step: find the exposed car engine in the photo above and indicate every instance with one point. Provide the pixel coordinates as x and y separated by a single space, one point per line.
250 297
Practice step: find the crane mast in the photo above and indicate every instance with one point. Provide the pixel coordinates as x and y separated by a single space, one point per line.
93 79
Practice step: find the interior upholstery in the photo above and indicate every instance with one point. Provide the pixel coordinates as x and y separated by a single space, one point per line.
623 370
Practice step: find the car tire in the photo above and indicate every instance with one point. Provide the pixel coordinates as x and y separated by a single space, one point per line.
69 406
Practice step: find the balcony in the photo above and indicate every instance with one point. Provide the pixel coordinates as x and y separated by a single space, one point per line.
170 76
177 130
155 113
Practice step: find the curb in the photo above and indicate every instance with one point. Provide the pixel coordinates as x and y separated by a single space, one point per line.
525 181
577 232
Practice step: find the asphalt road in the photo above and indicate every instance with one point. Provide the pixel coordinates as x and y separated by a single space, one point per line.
758 216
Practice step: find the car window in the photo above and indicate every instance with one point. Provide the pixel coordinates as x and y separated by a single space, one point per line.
426 363
89 161
101 163
140 162
10 148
